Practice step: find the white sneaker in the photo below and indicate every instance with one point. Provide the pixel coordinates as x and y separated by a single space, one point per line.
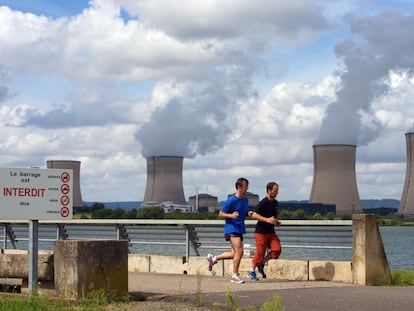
211 261
236 279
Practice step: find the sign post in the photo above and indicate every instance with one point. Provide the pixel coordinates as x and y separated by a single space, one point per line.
35 194
33 256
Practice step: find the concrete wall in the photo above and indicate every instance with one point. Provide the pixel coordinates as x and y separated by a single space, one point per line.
15 264
337 271
283 269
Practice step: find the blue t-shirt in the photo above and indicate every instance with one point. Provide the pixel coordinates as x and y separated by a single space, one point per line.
232 204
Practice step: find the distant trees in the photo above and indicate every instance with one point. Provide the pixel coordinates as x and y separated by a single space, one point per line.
150 212
201 215
98 211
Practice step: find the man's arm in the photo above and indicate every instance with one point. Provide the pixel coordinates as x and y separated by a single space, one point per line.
271 220
222 214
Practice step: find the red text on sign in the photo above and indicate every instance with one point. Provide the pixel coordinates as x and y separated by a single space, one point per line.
24 192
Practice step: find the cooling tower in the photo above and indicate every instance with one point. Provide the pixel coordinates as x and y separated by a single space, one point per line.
75 166
164 180
334 178
407 199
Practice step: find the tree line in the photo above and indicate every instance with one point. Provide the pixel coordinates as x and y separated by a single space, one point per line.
98 211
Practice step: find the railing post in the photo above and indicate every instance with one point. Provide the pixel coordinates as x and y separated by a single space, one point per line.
191 237
8 233
4 237
187 244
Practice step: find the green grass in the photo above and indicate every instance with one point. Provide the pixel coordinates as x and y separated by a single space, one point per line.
232 304
95 301
403 277
32 303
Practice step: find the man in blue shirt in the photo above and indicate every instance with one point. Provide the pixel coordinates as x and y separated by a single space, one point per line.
234 210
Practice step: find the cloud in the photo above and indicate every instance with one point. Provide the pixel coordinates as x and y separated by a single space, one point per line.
5 91
379 44
200 120
231 20
97 105
194 120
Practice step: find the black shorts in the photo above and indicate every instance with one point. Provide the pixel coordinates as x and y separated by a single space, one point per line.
232 235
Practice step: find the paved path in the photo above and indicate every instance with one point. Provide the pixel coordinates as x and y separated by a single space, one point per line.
295 295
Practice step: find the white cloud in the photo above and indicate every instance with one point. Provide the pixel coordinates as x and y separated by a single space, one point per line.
207 78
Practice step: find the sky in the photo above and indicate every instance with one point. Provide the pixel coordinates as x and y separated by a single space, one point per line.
236 88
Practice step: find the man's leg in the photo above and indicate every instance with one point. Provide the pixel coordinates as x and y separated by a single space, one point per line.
275 247
258 256
237 250
212 260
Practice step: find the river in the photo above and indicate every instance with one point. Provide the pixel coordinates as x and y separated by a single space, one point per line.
399 246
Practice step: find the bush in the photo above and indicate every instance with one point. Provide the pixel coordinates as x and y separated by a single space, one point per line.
150 212
403 277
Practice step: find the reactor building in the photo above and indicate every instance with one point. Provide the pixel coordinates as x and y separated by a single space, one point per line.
164 180
407 199
75 166
334 178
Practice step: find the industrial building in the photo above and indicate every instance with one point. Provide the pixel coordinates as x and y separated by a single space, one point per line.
165 180
407 199
204 202
334 178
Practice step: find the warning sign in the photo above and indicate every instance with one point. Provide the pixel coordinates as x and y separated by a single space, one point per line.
35 194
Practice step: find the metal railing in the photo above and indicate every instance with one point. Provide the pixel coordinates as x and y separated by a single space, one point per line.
177 236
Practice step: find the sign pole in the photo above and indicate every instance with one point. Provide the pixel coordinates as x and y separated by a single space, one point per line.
33 255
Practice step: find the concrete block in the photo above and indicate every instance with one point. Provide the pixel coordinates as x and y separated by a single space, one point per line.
369 262
15 264
337 271
82 267
285 269
198 265
167 264
139 263
244 267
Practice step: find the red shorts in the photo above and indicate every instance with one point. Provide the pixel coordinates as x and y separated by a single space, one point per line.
263 242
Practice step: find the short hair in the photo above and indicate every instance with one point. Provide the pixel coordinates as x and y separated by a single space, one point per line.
270 186
239 182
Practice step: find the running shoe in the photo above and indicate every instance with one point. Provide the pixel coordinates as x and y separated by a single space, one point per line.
236 279
261 271
211 261
252 276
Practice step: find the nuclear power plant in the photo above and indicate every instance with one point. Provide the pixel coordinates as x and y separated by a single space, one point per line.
164 180
75 166
334 178
407 199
